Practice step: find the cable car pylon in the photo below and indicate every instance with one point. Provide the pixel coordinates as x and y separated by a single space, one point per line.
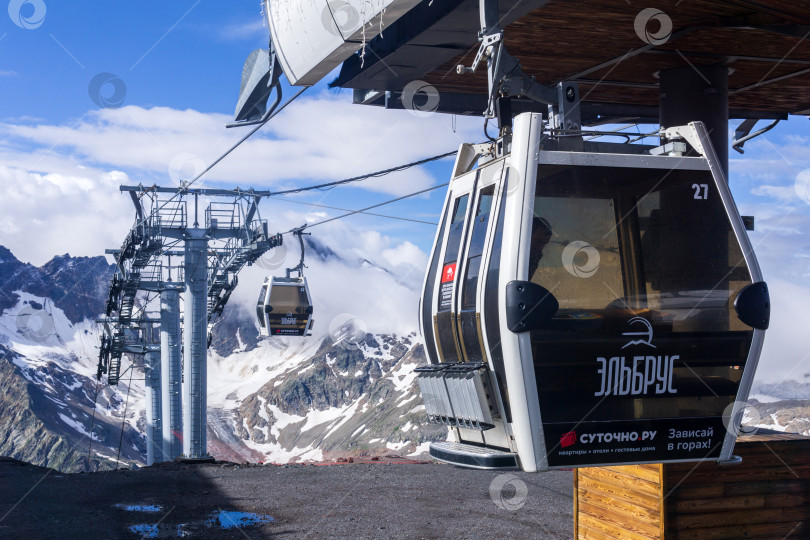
217 243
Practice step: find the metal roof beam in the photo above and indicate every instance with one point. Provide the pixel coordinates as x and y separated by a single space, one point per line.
629 54
429 35
769 81
730 57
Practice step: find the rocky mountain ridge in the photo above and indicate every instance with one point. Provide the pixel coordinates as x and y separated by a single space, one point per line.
270 400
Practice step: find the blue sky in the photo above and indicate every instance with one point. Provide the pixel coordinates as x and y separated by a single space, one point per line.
62 156
196 65
181 55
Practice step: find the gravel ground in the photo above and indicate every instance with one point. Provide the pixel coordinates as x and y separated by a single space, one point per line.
352 500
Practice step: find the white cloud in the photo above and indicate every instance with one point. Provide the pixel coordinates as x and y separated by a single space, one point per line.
318 138
782 244
785 194
405 253
78 212
785 355
59 190
773 160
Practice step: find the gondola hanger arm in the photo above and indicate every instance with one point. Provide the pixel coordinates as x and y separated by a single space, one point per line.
505 74
299 232
468 154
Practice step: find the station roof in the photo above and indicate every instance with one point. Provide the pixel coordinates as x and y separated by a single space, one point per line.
604 46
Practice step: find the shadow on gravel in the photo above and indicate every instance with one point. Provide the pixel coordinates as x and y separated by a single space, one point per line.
168 500
226 500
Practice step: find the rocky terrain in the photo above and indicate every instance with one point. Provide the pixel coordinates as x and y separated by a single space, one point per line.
48 346
783 406
273 400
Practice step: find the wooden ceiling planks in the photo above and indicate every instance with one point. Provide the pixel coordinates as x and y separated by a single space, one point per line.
567 37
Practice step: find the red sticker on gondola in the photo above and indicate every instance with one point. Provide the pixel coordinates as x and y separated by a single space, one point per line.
449 272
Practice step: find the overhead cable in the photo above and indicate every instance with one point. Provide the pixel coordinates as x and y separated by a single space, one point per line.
310 225
347 210
361 177
184 189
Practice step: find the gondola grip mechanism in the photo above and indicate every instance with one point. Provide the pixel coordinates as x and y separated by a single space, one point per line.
687 133
504 72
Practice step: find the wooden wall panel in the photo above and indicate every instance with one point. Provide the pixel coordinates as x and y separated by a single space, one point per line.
620 502
765 496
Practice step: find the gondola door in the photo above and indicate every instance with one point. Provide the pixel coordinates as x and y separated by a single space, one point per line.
461 388
442 308
468 298
515 346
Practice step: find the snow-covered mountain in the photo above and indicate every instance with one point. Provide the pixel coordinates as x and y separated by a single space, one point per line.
783 406
272 400
318 400
48 351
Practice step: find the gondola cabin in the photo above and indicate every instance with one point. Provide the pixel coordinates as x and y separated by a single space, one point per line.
591 307
284 307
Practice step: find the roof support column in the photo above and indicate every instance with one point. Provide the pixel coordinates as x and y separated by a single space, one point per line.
698 94
695 94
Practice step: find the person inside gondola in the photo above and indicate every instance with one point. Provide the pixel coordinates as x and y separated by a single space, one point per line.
541 235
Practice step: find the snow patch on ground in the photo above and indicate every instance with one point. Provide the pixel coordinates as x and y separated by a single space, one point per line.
282 420
378 353
234 375
396 446
763 398
406 400
776 425
263 409
77 426
347 414
421 450
274 453
403 377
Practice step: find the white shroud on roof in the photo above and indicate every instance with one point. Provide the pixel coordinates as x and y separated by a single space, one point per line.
312 37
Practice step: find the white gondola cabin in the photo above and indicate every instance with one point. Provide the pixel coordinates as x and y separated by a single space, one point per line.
589 307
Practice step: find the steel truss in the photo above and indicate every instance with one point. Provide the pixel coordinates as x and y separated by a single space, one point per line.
231 236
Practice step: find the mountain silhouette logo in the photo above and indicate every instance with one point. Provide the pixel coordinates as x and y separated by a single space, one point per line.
647 333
